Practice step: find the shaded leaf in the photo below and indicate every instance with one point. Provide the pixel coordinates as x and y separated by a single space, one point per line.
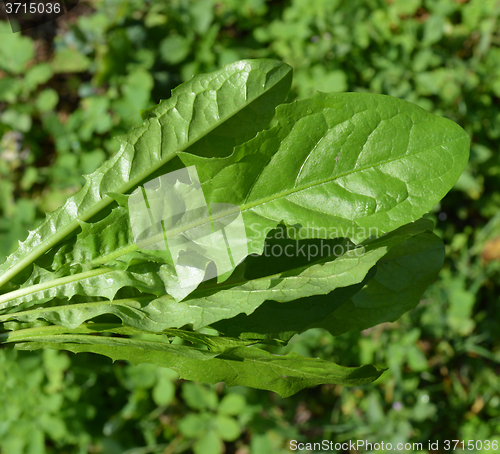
248 366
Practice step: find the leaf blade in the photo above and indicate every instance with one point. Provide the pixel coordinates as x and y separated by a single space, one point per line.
247 366
212 303
349 160
144 151
383 297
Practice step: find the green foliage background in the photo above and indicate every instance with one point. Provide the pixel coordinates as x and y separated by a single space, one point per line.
67 88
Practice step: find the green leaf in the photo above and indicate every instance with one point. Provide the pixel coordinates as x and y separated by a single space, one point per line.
208 443
67 60
36 75
16 50
258 280
396 287
381 181
163 392
208 105
401 279
193 425
339 165
175 48
230 363
227 428
206 305
199 398
343 177
68 270
47 100
16 120
232 404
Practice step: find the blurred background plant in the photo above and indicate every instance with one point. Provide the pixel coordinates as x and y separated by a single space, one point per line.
68 87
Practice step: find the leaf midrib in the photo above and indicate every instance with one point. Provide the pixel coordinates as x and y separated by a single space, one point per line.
44 246
329 179
262 201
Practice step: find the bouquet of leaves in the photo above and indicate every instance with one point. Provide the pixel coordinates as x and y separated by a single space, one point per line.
208 234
